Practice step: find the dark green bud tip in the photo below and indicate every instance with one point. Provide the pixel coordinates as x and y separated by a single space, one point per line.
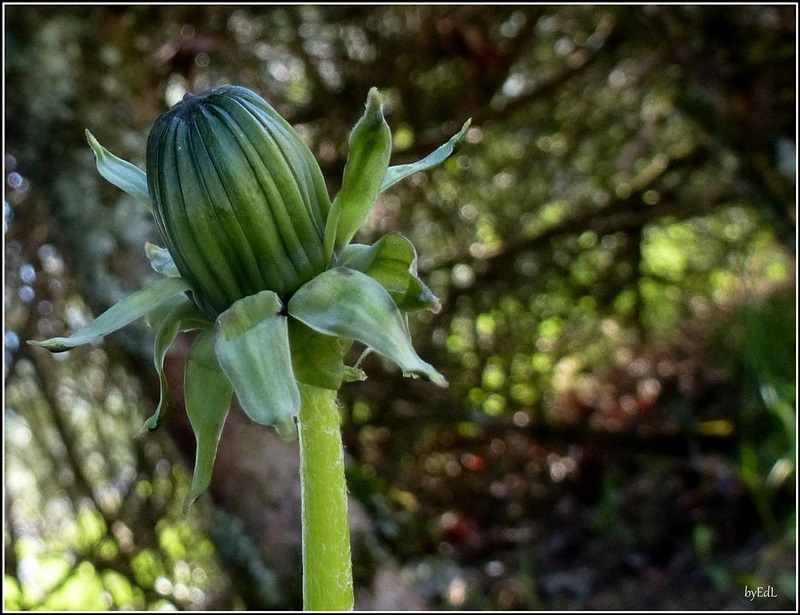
238 197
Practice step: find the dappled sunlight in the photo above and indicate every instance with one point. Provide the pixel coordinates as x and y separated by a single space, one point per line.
614 247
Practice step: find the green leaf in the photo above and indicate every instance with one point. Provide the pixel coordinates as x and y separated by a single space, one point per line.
350 304
208 395
252 342
396 173
367 161
117 316
182 317
392 261
317 359
161 260
121 173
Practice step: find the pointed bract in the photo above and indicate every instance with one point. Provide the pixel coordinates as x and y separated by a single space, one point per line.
252 343
117 316
396 173
392 261
347 303
208 395
367 161
183 317
121 173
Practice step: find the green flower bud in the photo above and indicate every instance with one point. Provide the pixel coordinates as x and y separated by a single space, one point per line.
238 197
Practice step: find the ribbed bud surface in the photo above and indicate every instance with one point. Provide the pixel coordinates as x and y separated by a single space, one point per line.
237 195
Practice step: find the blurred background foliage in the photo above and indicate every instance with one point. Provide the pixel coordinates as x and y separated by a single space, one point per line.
614 246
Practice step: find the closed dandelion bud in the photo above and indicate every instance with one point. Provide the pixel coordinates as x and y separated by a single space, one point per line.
238 197
276 290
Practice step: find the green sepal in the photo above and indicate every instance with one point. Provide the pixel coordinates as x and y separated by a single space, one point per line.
347 303
367 160
392 261
161 260
317 359
252 342
183 317
117 316
157 316
353 374
121 173
208 395
396 173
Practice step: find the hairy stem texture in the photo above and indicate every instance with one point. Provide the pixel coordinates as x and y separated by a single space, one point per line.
327 567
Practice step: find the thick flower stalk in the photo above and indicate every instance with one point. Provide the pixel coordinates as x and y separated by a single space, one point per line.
259 261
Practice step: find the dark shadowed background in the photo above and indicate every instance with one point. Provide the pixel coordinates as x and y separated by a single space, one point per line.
614 248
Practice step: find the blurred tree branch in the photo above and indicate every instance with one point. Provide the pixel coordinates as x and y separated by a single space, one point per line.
620 214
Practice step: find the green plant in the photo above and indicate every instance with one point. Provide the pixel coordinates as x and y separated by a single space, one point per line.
259 260
767 373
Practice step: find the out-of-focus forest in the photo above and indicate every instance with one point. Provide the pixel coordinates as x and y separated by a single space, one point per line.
614 246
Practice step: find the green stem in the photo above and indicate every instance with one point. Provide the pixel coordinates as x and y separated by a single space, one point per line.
327 567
